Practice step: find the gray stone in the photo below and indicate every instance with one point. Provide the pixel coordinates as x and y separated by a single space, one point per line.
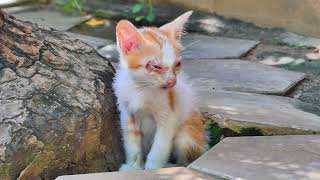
94 42
264 111
51 19
176 173
263 158
110 52
239 75
210 47
299 40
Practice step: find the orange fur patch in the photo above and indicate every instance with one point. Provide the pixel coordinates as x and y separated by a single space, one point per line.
194 126
151 46
136 133
172 99
190 140
133 128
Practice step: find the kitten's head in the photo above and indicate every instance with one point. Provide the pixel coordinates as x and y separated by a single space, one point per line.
152 55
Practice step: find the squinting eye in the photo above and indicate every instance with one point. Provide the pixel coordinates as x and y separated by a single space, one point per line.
178 65
157 67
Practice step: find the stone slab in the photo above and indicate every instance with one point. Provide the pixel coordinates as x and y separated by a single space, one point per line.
239 75
94 42
177 173
50 18
299 40
263 158
110 52
210 47
263 110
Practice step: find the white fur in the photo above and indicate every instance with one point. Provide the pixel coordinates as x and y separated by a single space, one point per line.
168 54
158 121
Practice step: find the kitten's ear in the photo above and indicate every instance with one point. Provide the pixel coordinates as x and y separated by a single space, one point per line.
128 37
175 27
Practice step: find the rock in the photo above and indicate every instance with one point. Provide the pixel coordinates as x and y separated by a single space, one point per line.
299 40
57 109
176 173
239 75
270 114
50 18
210 47
110 52
264 158
94 42
278 58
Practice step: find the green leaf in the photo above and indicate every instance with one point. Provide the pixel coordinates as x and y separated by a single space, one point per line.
139 18
151 18
137 8
76 4
68 6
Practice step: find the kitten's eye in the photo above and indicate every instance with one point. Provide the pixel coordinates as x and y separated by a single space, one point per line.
152 67
157 67
178 65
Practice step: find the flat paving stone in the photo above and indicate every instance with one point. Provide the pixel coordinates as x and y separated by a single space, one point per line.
110 51
94 42
50 18
267 112
299 40
263 158
177 173
242 76
210 47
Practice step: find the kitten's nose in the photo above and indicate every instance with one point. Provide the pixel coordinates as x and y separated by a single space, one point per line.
170 83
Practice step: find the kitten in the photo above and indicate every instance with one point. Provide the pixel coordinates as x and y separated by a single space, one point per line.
159 116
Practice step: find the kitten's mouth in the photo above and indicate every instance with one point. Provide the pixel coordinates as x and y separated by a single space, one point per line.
166 87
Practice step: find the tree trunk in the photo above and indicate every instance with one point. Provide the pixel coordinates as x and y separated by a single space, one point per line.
57 110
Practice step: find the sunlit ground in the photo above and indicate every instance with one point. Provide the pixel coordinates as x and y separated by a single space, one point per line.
5 2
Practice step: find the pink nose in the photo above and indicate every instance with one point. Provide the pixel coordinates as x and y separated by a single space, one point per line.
170 83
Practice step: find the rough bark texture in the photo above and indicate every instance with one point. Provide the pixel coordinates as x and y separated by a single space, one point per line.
57 109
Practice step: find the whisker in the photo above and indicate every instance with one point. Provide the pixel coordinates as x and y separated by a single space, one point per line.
142 85
186 52
190 45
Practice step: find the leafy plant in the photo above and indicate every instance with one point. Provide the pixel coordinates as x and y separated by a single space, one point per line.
74 5
144 11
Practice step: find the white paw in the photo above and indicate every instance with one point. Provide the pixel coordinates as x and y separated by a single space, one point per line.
128 167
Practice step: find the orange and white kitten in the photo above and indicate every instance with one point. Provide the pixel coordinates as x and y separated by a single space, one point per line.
159 116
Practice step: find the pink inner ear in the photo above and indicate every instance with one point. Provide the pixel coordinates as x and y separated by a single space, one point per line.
129 40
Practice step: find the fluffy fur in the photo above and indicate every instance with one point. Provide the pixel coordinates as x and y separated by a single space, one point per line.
159 116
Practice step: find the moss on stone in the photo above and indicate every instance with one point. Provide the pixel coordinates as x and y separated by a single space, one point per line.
217 129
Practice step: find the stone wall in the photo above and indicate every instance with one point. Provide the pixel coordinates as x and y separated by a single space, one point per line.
301 16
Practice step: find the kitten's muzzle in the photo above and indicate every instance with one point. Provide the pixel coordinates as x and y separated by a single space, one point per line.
170 83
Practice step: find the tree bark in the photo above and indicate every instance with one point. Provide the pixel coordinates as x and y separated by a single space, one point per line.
57 109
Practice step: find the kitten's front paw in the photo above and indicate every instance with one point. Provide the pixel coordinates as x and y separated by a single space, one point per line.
128 167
